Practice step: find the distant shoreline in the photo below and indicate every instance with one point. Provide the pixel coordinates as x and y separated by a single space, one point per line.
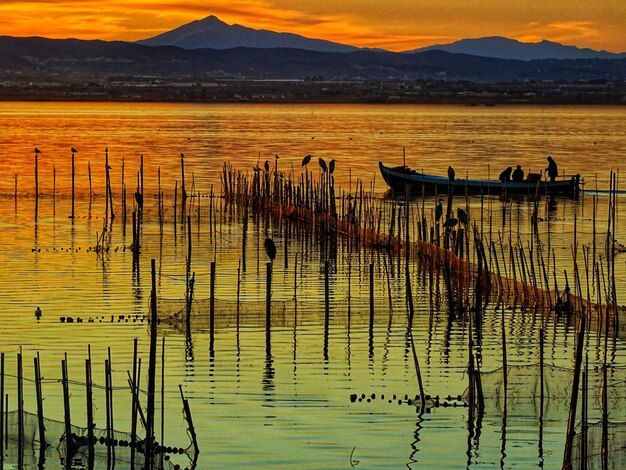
321 92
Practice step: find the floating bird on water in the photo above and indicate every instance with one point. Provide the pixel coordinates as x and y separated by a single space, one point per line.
323 165
451 222
450 173
38 313
438 210
306 160
73 150
462 216
270 248
331 166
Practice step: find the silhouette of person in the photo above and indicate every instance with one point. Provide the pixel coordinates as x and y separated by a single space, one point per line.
505 176
552 170
518 174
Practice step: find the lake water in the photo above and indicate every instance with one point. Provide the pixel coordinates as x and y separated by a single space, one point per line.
287 404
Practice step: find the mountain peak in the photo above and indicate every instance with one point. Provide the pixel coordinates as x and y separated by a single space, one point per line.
213 33
212 20
504 48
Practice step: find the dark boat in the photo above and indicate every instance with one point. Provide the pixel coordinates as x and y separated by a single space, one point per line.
402 178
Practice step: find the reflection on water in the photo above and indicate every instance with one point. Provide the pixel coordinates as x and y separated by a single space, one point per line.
282 397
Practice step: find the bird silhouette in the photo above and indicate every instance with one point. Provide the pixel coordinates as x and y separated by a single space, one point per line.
451 173
438 210
270 248
267 165
451 222
306 160
323 165
73 150
331 166
37 150
462 216
139 199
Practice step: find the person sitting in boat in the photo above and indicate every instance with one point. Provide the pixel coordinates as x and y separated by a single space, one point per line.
518 174
552 170
505 176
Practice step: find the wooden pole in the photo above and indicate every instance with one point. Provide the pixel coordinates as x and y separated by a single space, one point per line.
36 177
268 303
151 372
571 420
20 412
15 208
89 172
54 189
90 424
371 294
133 410
66 414
40 415
326 308
73 176
2 409
111 413
162 398
212 311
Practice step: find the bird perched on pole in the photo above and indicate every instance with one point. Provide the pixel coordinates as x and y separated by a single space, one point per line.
451 222
306 160
37 150
451 173
73 150
462 216
438 210
139 199
323 165
331 166
270 248
267 166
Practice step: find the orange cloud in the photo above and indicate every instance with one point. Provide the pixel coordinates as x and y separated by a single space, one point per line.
394 24
565 32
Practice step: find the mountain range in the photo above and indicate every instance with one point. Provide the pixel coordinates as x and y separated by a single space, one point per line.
69 59
212 33
505 48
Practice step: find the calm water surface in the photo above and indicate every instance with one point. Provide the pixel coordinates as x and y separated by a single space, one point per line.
285 404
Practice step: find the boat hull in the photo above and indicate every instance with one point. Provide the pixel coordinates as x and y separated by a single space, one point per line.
402 180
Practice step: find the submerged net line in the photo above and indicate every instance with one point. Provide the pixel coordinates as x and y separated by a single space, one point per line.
616 440
173 312
523 389
55 437
466 272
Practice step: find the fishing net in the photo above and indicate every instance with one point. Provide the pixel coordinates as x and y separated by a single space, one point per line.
591 458
119 450
251 313
522 393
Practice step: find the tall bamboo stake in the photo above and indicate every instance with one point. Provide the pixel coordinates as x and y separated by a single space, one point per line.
73 150
149 457
2 417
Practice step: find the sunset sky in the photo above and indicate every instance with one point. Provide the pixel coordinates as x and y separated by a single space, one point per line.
391 24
